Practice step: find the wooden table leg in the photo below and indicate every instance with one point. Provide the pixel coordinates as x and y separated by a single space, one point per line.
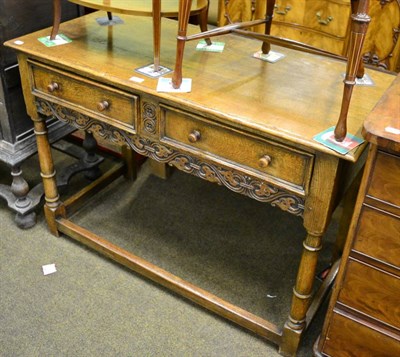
359 26
203 23
56 18
317 213
53 206
183 20
156 33
266 47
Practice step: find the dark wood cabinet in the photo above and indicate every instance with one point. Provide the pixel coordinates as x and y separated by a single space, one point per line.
363 318
17 139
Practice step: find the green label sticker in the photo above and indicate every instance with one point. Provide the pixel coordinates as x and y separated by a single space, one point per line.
327 138
214 47
59 40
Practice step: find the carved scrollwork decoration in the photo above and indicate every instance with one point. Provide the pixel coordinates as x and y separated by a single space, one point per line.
235 181
243 184
80 121
149 115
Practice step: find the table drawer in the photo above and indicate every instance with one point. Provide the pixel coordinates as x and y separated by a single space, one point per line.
372 292
89 97
349 338
378 236
285 165
385 181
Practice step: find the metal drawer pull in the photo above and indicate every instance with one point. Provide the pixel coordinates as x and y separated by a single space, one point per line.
282 12
194 136
264 161
53 87
103 105
323 22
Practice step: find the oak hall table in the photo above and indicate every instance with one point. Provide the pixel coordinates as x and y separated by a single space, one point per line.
247 125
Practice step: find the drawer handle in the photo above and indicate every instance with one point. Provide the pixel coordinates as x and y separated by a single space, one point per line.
264 161
103 105
52 87
282 12
194 136
321 21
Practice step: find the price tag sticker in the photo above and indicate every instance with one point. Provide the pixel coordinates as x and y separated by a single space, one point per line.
49 269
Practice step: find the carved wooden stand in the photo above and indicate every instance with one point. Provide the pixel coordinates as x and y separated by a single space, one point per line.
24 200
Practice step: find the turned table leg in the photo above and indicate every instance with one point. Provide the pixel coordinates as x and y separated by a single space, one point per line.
203 23
266 47
359 26
53 205
156 33
56 18
317 214
183 20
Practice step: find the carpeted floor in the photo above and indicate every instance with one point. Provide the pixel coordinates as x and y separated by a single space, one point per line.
241 250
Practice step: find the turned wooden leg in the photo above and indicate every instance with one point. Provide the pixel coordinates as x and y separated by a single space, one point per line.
302 294
91 159
360 21
183 20
156 33
131 162
53 206
20 189
56 18
203 22
317 214
361 70
266 47
109 16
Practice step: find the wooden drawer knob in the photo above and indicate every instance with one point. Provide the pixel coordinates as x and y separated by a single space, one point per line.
103 105
194 136
264 161
53 87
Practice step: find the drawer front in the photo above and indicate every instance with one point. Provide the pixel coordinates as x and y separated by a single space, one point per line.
289 11
285 165
348 338
378 236
372 292
309 37
385 180
86 96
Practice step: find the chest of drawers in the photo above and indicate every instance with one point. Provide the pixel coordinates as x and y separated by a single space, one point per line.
364 313
326 23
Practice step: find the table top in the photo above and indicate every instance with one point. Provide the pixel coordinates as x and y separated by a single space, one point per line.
138 7
291 100
382 126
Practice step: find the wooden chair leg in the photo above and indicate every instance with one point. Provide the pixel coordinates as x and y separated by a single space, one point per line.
156 33
183 20
203 22
56 18
266 47
361 70
109 15
360 21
